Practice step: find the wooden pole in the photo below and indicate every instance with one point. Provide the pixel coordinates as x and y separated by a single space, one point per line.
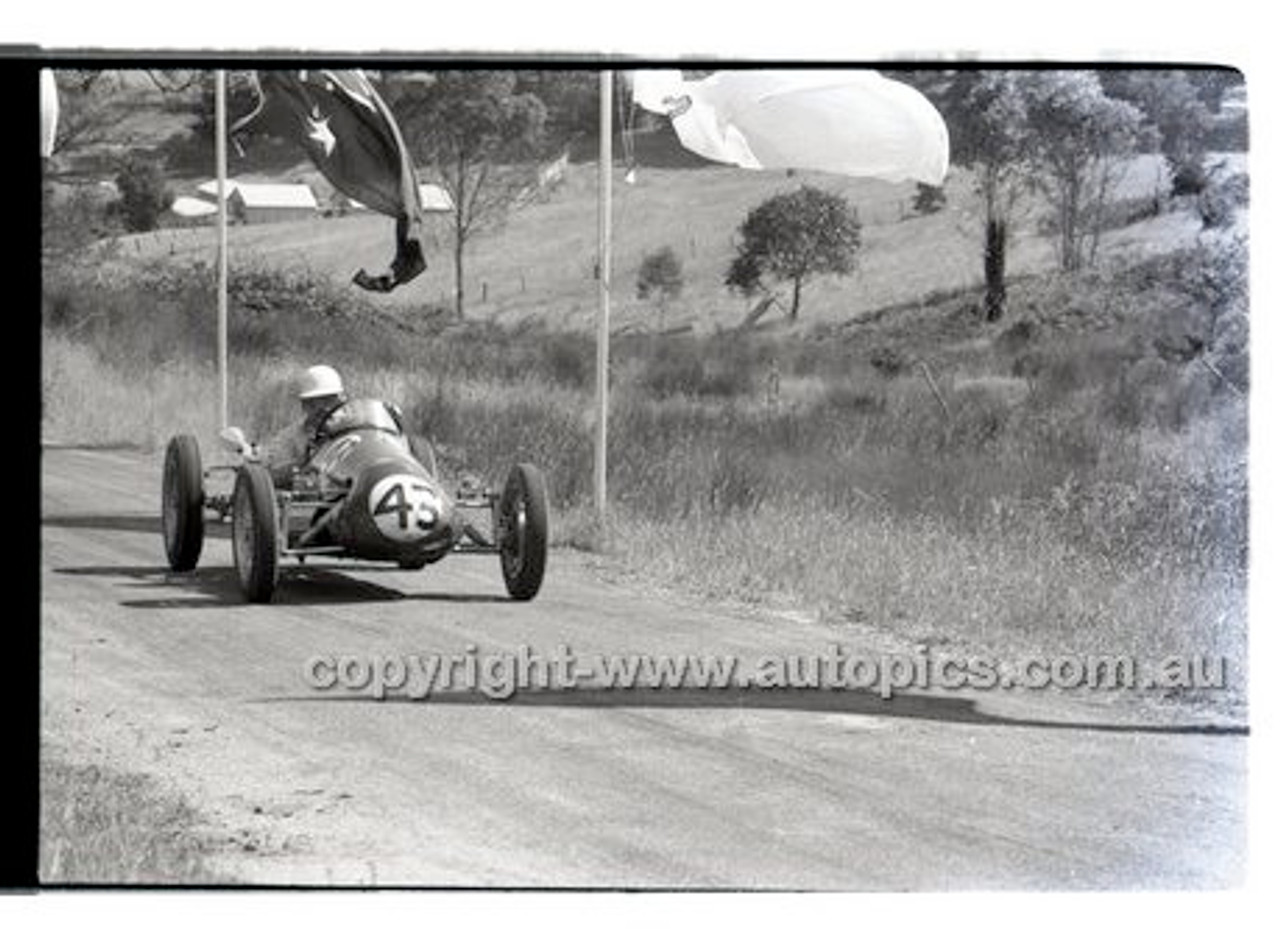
604 219
220 148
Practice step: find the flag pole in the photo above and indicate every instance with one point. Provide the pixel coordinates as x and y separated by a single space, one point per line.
220 149
605 207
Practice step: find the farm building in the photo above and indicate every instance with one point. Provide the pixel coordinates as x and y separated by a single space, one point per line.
192 211
272 203
264 203
435 199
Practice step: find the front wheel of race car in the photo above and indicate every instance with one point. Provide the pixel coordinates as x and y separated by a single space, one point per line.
182 503
254 532
523 531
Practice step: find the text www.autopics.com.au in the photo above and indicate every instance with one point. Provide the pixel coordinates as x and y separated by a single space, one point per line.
502 675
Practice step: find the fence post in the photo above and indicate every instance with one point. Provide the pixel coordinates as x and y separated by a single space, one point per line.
933 387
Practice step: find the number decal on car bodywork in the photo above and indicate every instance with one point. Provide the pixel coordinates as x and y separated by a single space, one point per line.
403 507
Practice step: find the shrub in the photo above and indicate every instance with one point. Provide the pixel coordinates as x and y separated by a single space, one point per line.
737 480
887 360
143 194
73 221
682 369
928 199
1189 177
1017 337
1218 203
661 275
568 360
974 424
850 399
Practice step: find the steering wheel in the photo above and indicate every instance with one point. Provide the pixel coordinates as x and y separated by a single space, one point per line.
321 430
322 427
319 433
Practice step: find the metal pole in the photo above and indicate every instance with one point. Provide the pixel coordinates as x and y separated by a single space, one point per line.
220 149
602 317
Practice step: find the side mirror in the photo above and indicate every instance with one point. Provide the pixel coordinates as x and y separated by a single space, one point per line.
233 438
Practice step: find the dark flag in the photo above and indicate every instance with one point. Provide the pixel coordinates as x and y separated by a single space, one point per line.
352 137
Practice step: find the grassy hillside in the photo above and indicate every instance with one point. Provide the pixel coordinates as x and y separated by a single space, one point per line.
541 263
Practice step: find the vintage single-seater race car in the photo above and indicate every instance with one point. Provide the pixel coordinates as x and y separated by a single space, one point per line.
363 494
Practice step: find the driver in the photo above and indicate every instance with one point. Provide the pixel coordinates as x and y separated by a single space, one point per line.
320 392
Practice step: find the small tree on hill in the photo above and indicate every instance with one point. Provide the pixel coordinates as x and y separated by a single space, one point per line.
143 194
1081 140
478 131
661 276
792 237
928 199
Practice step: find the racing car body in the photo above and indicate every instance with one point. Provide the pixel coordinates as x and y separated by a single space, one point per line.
362 494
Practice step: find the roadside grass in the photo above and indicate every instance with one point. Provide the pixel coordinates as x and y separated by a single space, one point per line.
1094 501
928 582
101 827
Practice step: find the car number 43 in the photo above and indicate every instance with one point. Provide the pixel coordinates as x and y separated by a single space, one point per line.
403 507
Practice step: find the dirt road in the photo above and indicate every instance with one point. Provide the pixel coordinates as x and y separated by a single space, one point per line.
176 677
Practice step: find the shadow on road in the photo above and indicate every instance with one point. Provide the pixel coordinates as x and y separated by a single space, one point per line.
118 522
208 587
961 710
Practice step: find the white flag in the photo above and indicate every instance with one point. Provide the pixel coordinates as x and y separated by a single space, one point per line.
48 112
846 122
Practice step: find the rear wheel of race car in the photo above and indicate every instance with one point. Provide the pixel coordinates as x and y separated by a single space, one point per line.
182 503
253 533
523 531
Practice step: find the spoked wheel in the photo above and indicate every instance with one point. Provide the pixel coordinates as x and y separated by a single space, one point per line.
254 532
523 531
182 503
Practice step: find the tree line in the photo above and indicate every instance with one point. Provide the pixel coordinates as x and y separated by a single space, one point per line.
1066 135
1060 135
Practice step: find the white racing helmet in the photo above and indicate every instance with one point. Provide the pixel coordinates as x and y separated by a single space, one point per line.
319 381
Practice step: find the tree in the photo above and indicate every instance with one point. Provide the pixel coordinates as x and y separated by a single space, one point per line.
572 100
263 137
143 194
477 132
928 199
992 139
72 218
1080 140
93 103
662 276
87 108
792 237
1177 112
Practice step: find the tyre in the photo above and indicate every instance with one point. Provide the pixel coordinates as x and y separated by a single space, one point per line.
182 503
254 530
523 531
